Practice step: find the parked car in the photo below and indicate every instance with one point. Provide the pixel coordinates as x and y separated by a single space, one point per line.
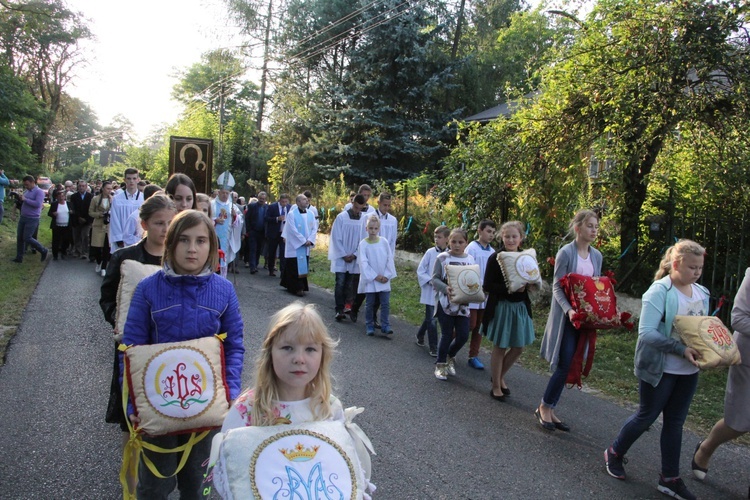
44 184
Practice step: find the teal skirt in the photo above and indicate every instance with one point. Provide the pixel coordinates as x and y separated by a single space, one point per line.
511 326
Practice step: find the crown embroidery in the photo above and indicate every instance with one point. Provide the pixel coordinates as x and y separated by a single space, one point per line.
300 453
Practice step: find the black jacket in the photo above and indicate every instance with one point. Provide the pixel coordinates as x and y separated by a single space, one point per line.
80 208
494 286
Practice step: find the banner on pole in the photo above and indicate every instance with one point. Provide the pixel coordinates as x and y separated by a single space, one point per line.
193 157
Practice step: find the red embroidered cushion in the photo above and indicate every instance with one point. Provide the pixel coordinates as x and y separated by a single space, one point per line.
594 302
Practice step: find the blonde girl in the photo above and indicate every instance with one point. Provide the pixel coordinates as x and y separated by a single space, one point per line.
667 370
203 204
560 336
185 300
507 319
293 374
452 317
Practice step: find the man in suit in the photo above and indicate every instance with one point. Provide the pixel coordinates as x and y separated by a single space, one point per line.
275 217
255 227
80 201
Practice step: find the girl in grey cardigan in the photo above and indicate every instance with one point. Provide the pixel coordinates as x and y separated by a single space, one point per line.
560 337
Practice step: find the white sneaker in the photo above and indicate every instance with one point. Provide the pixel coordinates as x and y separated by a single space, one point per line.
98 268
104 272
451 367
440 371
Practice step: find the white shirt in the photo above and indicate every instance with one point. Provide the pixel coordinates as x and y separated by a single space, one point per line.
62 218
388 227
687 306
346 234
293 239
123 204
481 256
375 259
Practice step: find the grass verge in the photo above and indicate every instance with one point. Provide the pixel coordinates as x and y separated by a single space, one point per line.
19 280
612 372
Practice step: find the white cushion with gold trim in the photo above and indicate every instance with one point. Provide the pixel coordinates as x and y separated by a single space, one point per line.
178 387
466 284
131 273
309 460
520 269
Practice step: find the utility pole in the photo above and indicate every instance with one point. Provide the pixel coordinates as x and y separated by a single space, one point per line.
221 128
264 70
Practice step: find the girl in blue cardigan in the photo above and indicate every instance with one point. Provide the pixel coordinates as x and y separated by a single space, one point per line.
667 370
186 300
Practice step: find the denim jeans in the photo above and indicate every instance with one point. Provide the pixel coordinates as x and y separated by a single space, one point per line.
429 326
449 346
384 298
189 480
672 397
25 234
556 382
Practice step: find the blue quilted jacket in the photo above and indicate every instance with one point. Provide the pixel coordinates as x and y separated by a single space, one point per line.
173 308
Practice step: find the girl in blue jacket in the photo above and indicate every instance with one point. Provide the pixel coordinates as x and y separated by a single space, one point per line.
186 300
667 370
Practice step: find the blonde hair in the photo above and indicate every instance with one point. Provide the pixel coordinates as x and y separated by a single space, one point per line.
204 198
303 320
579 219
181 223
675 253
512 224
373 218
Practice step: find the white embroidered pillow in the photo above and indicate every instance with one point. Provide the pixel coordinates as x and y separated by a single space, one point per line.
178 387
519 269
708 336
283 461
466 284
131 273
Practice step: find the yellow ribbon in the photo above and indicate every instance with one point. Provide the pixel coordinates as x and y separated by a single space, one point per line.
133 451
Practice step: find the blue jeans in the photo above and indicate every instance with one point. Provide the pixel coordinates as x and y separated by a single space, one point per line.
556 382
429 326
672 397
385 310
450 346
25 234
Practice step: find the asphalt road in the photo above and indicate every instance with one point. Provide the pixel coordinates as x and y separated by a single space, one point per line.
433 439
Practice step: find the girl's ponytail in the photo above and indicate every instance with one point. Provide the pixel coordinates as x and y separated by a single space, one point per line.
675 253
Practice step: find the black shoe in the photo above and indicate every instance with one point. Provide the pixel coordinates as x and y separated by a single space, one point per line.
561 426
496 398
353 315
17 261
339 316
614 463
271 273
506 391
420 342
43 254
675 488
698 472
547 426
253 271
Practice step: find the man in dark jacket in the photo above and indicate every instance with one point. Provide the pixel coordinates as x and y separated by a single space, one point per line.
255 223
80 201
275 217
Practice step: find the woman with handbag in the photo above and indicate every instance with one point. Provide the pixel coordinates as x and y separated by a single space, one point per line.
666 368
736 421
99 211
560 336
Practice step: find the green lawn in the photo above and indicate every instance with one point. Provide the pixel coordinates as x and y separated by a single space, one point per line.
19 280
612 372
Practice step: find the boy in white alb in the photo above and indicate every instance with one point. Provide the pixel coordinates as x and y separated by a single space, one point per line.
346 233
481 250
366 191
124 203
376 270
388 230
427 297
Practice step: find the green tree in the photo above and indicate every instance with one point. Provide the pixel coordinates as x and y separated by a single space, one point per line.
40 43
18 110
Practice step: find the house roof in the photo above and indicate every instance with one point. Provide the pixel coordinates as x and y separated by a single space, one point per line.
505 109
